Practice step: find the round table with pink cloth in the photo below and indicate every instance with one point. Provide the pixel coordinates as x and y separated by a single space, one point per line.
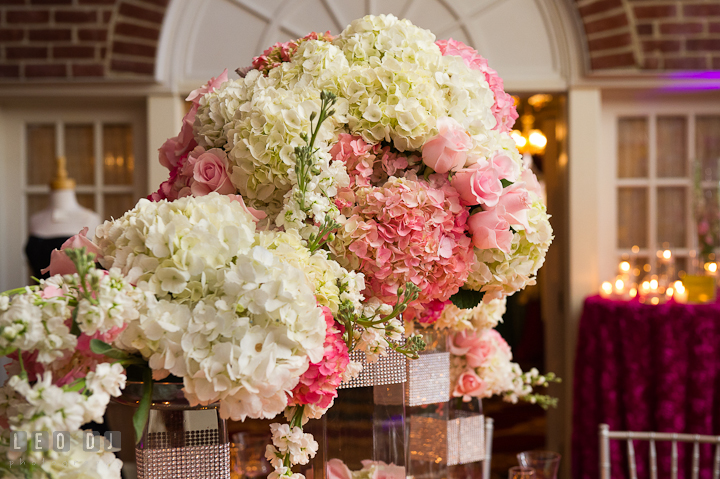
642 367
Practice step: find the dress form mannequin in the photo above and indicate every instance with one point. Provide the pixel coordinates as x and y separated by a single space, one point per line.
64 218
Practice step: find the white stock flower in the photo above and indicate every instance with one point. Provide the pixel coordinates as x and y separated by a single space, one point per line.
107 378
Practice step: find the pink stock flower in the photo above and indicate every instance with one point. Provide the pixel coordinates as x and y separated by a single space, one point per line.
448 149
478 185
405 231
318 385
490 230
59 261
504 107
469 385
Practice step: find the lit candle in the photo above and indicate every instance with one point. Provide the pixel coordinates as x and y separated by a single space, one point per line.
680 294
711 268
606 289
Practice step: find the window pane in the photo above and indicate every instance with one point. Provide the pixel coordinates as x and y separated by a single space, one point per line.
87 201
681 266
41 154
707 145
118 160
671 146
632 148
37 203
117 205
672 216
632 217
79 150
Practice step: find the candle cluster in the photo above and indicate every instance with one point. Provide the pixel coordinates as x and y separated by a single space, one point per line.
659 284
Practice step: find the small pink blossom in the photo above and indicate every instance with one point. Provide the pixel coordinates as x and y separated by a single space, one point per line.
283 52
490 230
469 385
448 149
504 107
60 263
431 311
174 149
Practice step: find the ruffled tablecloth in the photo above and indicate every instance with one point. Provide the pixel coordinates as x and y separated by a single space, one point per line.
641 367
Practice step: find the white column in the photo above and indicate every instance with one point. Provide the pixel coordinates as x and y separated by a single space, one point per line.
584 202
164 117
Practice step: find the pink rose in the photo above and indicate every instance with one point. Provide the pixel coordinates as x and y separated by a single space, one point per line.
60 263
174 149
209 172
506 168
469 385
531 182
211 85
448 149
490 230
515 202
383 470
479 185
336 469
461 343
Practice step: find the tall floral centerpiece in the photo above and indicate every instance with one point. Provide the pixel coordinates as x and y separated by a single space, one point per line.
340 189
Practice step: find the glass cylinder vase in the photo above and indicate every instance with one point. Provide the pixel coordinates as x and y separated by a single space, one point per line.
466 439
364 431
428 412
179 440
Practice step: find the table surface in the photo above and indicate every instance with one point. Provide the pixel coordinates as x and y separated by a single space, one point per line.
642 367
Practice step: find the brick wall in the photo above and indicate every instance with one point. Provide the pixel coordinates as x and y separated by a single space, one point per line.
79 39
652 35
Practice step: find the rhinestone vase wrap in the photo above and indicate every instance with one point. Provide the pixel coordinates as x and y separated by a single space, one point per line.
179 441
388 369
428 379
466 439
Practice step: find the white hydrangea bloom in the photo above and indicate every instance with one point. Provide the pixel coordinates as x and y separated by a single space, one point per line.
174 249
485 315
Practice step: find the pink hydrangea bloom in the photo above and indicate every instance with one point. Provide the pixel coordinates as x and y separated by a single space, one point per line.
283 52
318 385
504 108
371 165
409 230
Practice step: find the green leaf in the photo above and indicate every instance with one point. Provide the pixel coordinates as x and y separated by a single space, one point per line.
506 183
101 347
467 299
140 417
